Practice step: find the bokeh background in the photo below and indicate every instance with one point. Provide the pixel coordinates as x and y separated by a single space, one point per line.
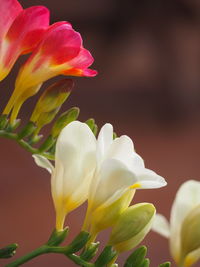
148 57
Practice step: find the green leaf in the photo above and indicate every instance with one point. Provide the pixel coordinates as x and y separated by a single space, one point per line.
136 258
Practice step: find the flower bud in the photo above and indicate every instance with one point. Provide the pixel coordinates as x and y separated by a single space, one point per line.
50 102
104 217
93 126
132 226
64 119
190 234
8 252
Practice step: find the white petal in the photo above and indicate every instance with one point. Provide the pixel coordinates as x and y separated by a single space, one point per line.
43 162
149 179
161 225
122 149
105 139
114 178
187 197
75 153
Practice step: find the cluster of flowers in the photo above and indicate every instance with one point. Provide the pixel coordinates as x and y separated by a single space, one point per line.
103 171
55 49
106 173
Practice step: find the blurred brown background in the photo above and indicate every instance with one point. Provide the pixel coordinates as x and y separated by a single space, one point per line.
148 57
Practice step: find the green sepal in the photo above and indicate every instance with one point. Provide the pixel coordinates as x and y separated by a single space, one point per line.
90 251
57 237
78 243
48 143
145 263
8 251
3 121
106 256
35 139
27 130
165 264
137 257
11 127
64 119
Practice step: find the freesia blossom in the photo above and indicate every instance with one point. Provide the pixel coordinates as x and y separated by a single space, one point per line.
21 31
60 52
119 169
104 171
73 171
184 228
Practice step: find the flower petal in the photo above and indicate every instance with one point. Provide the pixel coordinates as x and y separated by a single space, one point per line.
161 225
122 149
9 11
187 197
43 162
75 152
28 28
23 36
105 139
149 179
114 179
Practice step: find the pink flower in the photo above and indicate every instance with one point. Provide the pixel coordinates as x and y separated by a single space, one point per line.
20 31
59 52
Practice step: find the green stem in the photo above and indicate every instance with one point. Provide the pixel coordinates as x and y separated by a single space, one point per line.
39 251
24 144
47 249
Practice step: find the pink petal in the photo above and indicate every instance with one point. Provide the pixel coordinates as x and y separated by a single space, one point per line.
83 60
80 63
28 28
9 11
60 43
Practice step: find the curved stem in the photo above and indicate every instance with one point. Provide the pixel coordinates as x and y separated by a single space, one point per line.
39 251
47 249
24 144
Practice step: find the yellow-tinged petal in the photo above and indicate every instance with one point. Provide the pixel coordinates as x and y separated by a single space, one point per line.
106 216
190 232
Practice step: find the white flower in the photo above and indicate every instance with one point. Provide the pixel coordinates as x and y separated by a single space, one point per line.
74 167
184 228
119 169
102 170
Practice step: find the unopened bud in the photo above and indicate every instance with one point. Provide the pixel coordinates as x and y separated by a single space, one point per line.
132 226
64 119
50 102
8 252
